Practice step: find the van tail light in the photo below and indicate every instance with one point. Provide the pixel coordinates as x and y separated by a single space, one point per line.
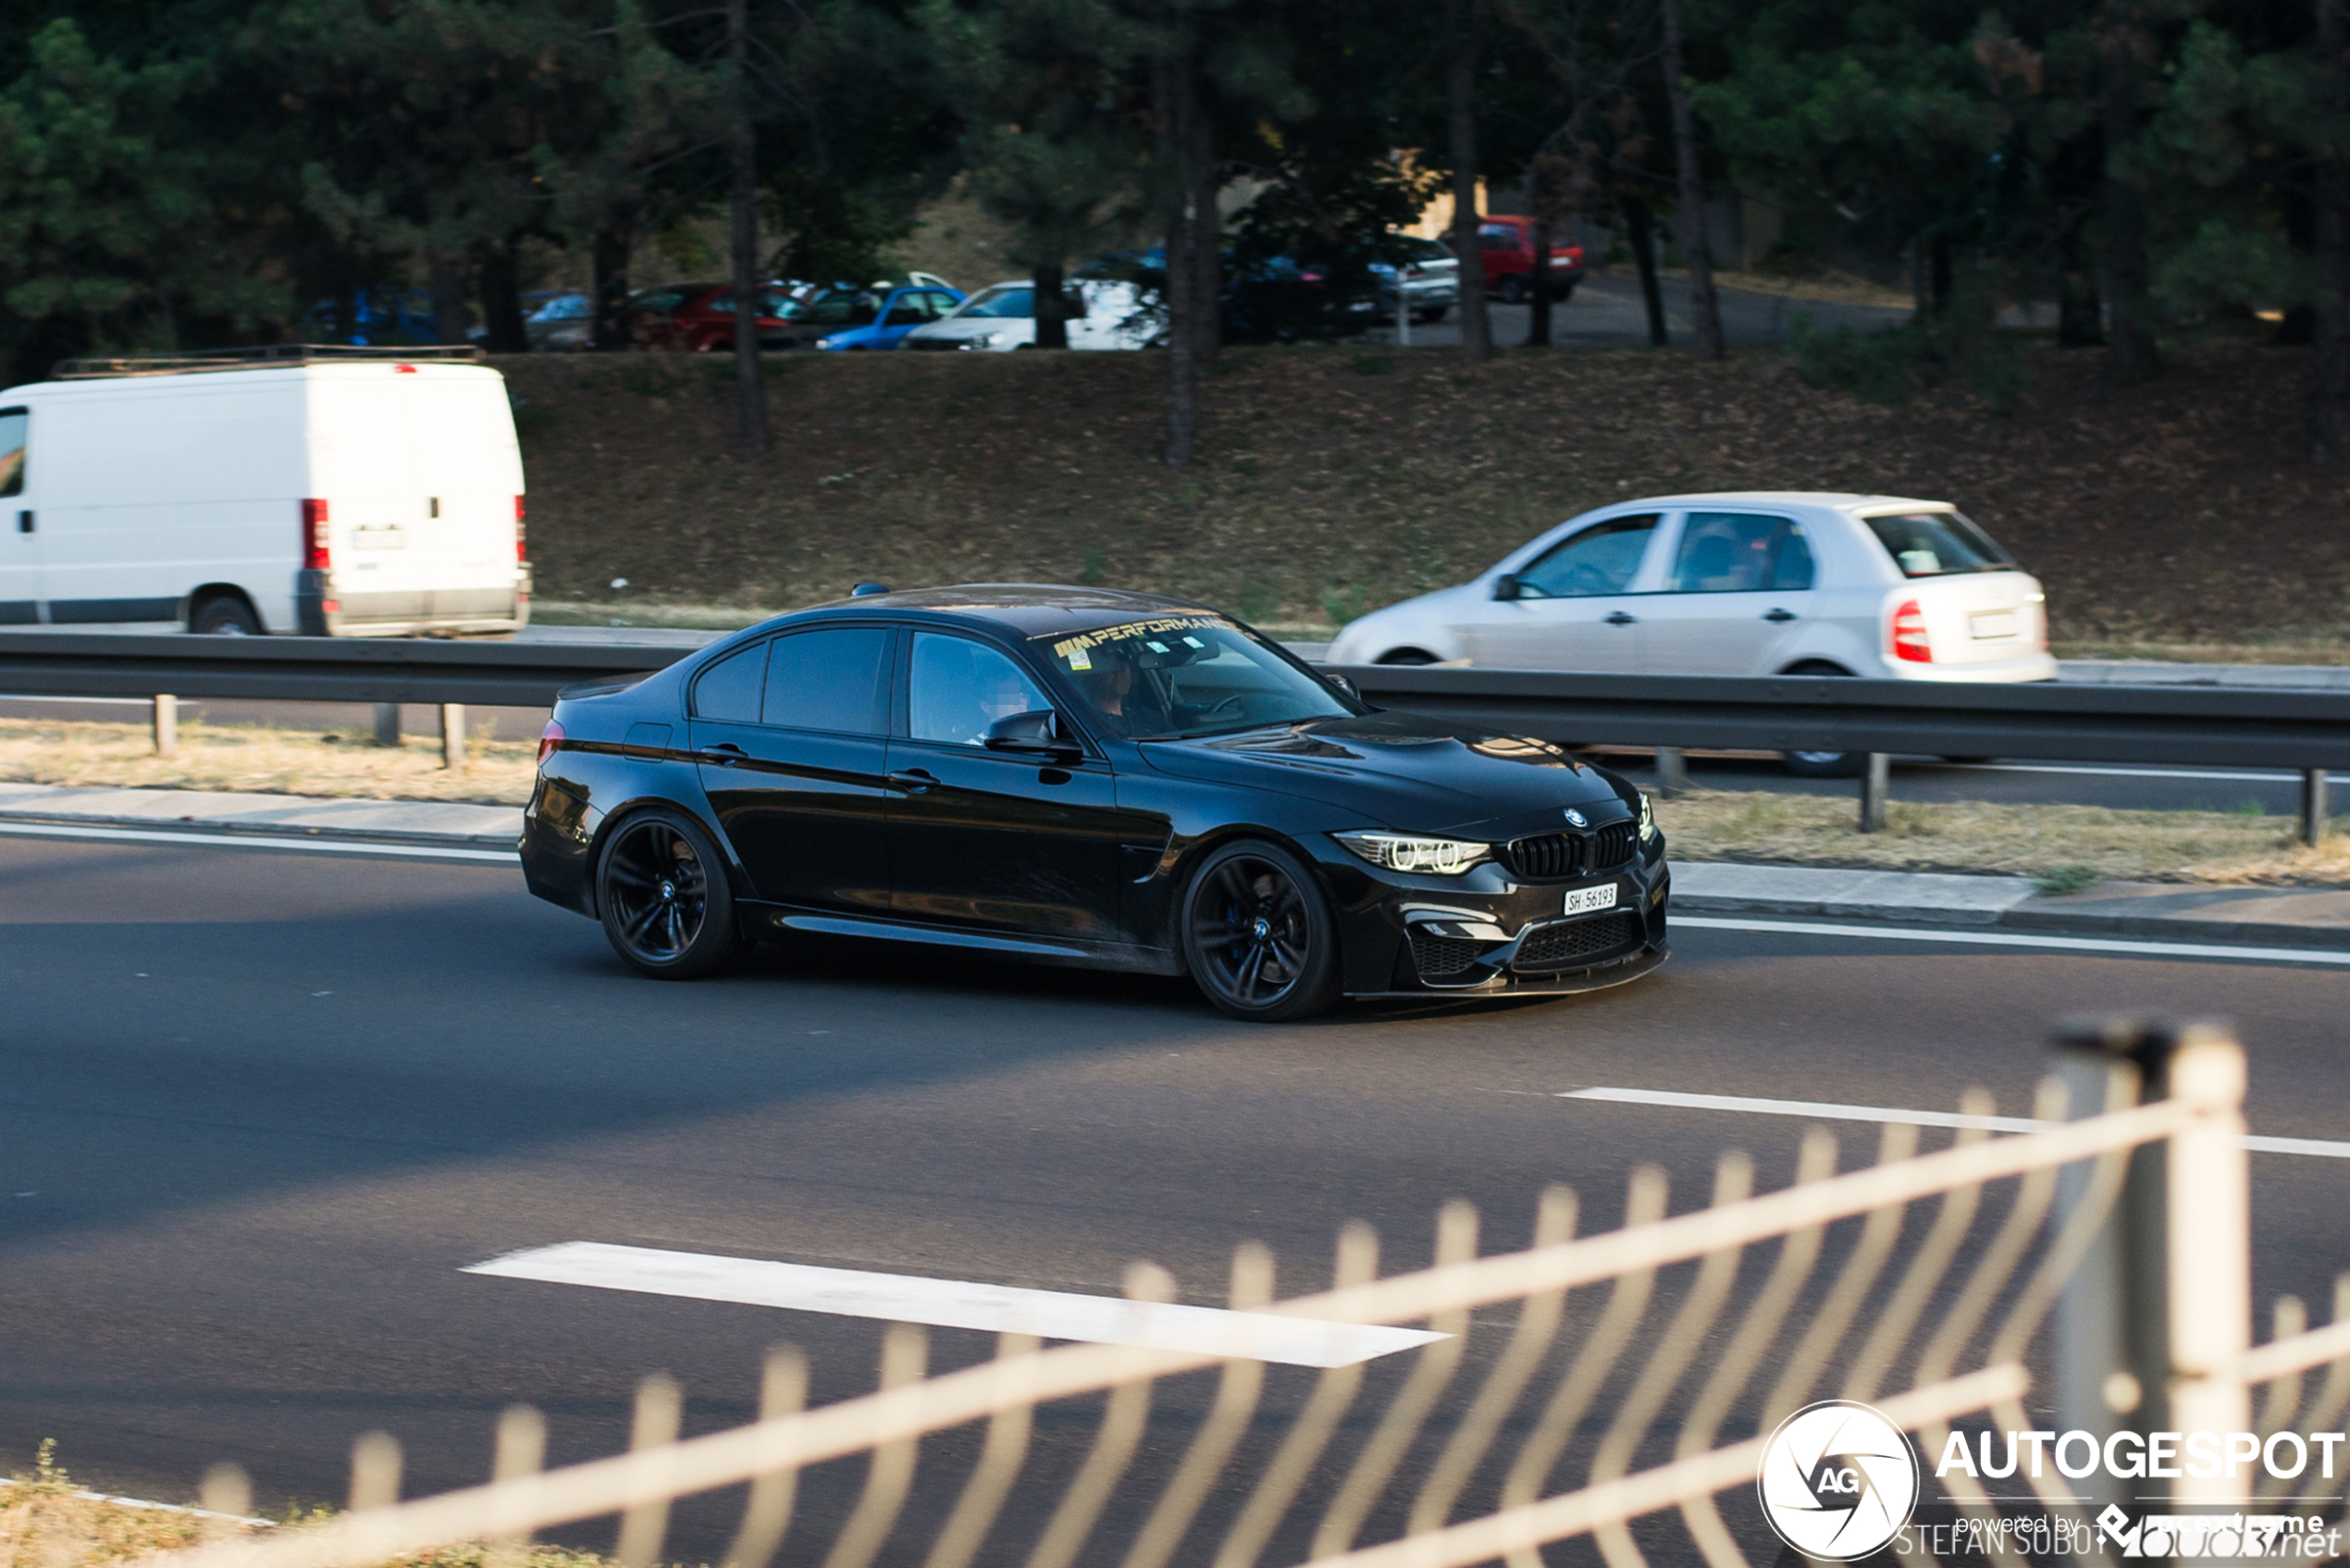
315 555
1909 639
521 555
548 739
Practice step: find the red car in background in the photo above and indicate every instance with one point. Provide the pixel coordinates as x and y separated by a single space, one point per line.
1506 242
700 317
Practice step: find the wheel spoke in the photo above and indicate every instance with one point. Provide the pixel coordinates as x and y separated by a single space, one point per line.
635 927
1244 982
626 876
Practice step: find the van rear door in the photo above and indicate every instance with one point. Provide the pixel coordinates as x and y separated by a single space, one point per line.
19 528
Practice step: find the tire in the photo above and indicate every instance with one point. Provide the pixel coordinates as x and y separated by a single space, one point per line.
224 615
1257 935
1564 291
1967 761
1511 291
1406 656
1431 314
1824 764
663 895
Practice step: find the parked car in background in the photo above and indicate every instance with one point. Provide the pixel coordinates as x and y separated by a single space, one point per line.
1429 279
699 317
374 316
1506 244
327 492
1002 318
1737 583
564 324
846 320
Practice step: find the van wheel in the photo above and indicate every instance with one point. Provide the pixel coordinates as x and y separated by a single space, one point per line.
1257 935
661 893
224 615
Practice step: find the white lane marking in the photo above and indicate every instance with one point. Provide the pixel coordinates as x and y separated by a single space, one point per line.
1825 1110
1966 938
956 1303
257 841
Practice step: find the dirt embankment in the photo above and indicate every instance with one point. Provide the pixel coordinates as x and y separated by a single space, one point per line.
1332 480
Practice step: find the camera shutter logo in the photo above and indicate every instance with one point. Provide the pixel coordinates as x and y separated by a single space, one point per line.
1838 1481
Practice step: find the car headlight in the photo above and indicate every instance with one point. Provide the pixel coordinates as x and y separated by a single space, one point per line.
1406 852
984 340
1648 819
824 342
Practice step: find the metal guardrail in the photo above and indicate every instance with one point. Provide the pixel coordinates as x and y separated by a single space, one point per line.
419 670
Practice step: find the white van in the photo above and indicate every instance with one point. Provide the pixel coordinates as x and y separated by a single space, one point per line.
298 493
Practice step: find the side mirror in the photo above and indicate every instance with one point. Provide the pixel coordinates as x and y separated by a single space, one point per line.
1038 731
1342 684
1505 586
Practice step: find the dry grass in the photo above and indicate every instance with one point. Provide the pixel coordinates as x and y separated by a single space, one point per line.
279 761
47 1522
2064 848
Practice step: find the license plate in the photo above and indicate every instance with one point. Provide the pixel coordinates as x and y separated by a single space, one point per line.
1583 900
1992 624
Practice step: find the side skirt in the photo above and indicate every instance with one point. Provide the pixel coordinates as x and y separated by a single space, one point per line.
768 920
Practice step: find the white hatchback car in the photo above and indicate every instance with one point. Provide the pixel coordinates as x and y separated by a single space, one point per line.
1736 583
1002 318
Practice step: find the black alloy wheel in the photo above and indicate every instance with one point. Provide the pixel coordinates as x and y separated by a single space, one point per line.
1258 936
660 888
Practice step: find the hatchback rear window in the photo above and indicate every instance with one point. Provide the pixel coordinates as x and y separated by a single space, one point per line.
1936 544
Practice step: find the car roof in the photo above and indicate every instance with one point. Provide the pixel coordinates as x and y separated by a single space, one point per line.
1839 500
1028 609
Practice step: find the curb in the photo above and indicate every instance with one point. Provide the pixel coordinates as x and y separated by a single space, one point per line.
234 827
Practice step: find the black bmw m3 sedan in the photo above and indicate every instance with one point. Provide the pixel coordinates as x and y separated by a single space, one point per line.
1076 776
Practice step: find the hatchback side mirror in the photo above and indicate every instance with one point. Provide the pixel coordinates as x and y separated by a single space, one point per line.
1037 731
1505 586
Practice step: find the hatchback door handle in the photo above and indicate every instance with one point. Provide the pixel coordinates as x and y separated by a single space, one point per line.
1620 619
1777 615
725 754
913 781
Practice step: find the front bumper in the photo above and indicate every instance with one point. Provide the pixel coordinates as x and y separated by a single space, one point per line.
1487 934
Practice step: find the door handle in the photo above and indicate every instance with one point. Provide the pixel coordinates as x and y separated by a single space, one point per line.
24 522
1775 613
1620 619
913 781
725 754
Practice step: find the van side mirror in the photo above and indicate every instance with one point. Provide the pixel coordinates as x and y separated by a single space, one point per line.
1505 586
1037 731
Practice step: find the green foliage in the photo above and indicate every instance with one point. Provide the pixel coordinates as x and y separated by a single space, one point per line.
1345 604
2057 881
1095 568
1960 342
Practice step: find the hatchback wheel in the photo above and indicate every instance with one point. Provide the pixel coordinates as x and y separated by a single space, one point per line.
660 888
1258 936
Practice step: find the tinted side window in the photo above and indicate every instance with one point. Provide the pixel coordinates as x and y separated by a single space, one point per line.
1600 559
1725 552
12 433
956 687
1792 570
832 680
728 691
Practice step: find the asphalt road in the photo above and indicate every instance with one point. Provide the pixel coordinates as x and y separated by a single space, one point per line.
259 1108
1607 313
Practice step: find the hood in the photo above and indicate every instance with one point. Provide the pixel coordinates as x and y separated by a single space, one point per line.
1405 772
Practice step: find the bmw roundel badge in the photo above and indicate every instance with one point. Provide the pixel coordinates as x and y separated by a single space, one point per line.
1576 819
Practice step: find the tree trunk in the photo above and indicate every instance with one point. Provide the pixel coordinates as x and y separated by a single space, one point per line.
1538 331
445 276
1052 311
2329 234
1642 224
2078 322
501 301
610 253
1942 272
1208 225
1460 93
2130 353
1176 93
1705 311
750 386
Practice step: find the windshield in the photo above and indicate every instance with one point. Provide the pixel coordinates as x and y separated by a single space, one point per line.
1184 676
1935 544
1002 300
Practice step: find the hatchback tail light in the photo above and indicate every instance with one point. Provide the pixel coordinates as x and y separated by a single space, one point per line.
521 555
315 555
1909 639
548 739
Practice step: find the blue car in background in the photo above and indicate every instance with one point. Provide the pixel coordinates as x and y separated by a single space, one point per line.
378 316
846 320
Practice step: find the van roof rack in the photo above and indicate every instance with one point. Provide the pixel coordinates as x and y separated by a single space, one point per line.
266 356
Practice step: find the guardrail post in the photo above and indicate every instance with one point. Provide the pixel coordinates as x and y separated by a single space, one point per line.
2313 806
386 723
453 734
1876 778
1672 770
166 726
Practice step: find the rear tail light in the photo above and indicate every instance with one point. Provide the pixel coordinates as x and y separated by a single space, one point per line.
315 555
521 555
1909 639
548 739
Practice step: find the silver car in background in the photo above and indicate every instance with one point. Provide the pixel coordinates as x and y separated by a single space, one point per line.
1737 583
1428 280
1002 318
